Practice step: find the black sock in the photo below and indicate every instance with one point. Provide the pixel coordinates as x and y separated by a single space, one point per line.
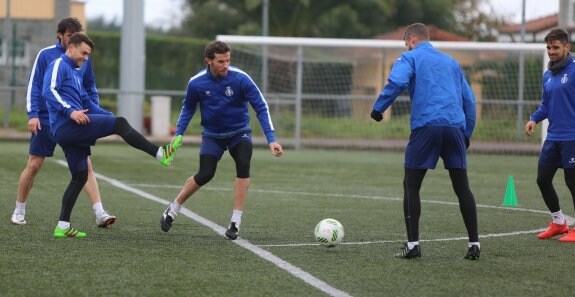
71 194
411 201
467 205
545 176
133 137
570 181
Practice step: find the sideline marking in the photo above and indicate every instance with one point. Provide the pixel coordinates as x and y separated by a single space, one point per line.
293 270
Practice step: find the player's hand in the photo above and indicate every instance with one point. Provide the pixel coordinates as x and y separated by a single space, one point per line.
467 143
376 115
530 128
80 117
34 125
276 149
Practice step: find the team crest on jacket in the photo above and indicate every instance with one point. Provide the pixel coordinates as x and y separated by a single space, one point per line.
564 79
229 91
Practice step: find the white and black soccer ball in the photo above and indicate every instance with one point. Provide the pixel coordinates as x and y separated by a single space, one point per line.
329 232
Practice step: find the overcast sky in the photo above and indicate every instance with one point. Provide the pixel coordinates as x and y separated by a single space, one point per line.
166 13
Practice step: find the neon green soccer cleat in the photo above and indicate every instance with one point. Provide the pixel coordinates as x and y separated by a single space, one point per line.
70 232
170 150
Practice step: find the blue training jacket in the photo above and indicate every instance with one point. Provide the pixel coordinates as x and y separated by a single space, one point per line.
35 103
63 92
558 103
439 92
224 104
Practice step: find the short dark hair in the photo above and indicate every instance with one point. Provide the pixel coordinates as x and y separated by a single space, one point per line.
418 30
77 38
558 34
216 47
71 25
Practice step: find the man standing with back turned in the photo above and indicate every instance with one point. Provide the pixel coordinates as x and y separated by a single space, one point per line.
42 144
558 106
442 122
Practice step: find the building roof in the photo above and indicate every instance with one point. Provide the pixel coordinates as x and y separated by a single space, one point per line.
537 25
434 34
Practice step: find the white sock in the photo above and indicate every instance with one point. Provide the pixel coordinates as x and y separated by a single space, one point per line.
412 244
175 206
558 217
98 208
21 206
237 217
63 225
469 244
160 154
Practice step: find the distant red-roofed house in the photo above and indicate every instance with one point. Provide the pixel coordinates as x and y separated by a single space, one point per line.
535 30
434 34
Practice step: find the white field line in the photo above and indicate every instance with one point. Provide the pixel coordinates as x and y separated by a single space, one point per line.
291 269
570 220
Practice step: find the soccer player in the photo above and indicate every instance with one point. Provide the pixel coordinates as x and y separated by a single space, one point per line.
77 122
223 93
558 106
442 122
42 144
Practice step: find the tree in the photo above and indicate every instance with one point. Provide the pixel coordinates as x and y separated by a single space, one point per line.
474 23
334 18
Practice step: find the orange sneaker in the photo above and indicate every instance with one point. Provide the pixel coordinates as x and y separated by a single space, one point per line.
554 230
570 237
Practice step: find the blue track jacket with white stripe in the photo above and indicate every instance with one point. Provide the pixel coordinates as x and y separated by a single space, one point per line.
558 103
439 92
63 91
35 103
223 104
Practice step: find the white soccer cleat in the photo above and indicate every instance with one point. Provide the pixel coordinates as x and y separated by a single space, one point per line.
104 220
168 217
18 218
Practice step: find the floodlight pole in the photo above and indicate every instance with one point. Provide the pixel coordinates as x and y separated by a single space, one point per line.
132 64
9 69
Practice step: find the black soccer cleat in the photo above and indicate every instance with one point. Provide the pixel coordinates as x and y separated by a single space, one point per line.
473 253
407 253
168 218
232 232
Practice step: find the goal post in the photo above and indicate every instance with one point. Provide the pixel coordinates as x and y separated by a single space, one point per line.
320 90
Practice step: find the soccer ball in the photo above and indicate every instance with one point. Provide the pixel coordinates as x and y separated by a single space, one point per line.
329 232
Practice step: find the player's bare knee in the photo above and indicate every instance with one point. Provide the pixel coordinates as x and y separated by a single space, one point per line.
35 164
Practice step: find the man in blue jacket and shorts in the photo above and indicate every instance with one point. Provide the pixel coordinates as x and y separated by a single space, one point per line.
223 93
442 122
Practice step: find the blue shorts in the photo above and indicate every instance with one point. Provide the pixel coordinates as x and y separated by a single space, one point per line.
427 144
560 154
43 143
76 139
72 134
216 146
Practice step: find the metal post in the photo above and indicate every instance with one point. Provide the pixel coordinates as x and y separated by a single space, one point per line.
298 97
7 106
521 82
265 32
132 64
